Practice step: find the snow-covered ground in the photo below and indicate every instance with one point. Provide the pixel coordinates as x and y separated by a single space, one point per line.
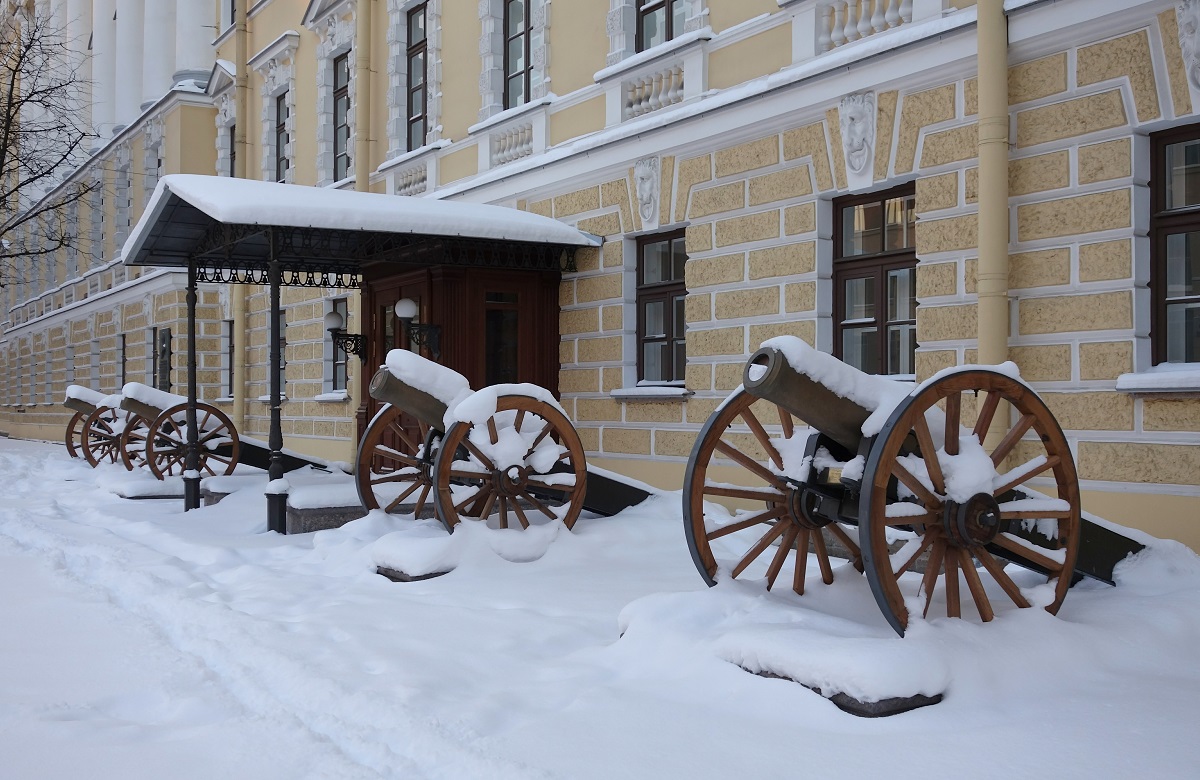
139 642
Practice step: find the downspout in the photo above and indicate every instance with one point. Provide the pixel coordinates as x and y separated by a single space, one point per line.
237 292
992 278
362 95
363 89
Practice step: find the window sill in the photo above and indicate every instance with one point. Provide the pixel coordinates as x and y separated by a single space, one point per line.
1181 378
651 394
336 396
266 399
662 50
225 399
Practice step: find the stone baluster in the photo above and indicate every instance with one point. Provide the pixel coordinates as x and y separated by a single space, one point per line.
906 10
838 34
878 20
893 14
824 22
851 29
864 18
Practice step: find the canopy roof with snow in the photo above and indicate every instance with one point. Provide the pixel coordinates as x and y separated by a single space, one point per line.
225 225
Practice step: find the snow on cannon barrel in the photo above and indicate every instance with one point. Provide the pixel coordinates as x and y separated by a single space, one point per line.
903 481
506 453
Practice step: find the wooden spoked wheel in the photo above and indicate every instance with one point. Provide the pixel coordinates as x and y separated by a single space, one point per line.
394 463
101 439
526 462
166 442
74 435
742 506
133 443
930 479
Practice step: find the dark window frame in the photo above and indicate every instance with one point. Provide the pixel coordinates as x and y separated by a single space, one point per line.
876 266
665 291
1163 223
646 9
339 357
282 163
233 150
526 71
341 91
412 87
230 353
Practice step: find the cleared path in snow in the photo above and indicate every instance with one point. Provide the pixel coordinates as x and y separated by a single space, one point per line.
137 642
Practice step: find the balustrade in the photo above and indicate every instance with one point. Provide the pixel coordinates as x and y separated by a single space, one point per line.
844 21
652 91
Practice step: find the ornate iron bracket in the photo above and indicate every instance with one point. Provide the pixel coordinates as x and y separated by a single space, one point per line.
350 343
424 336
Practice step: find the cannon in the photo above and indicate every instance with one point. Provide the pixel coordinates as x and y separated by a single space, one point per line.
507 451
94 430
812 459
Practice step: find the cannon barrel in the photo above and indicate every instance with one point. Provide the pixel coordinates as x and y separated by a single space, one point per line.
145 411
768 375
79 405
386 387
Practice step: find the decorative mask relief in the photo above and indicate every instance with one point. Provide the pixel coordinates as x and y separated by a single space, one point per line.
646 183
856 116
1187 14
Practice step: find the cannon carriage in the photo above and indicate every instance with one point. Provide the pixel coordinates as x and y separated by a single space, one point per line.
142 427
811 459
507 451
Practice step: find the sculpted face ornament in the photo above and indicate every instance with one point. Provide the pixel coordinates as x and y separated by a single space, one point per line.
1187 13
646 182
856 115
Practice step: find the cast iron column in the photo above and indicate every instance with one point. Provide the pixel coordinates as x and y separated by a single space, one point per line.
191 461
276 502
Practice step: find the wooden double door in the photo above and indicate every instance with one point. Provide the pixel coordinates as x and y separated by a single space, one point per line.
497 326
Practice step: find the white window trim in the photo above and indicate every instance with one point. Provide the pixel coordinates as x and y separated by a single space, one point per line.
491 49
336 37
226 118
397 92
276 64
621 26
151 156
327 355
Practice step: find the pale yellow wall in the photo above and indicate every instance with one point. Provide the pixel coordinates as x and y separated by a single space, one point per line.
193 148
578 44
459 165
460 72
757 56
586 117
723 14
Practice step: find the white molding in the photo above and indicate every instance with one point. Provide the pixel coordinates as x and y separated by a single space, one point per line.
491 52
336 34
397 72
276 64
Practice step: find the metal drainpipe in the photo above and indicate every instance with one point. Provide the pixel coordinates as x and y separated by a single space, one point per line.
237 292
363 89
992 278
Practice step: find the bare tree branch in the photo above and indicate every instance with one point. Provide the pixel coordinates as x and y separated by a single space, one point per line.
44 138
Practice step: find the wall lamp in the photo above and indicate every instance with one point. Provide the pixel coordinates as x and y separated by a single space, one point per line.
419 334
350 343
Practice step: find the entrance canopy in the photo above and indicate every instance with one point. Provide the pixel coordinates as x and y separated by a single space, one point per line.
227 227
252 232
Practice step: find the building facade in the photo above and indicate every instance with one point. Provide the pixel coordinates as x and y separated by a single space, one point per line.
755 168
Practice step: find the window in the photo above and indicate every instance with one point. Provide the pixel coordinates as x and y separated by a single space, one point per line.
874 281
233 149
417 50
659 21
282 353
281 137
152 357
660 298
337 355
227 361
341 117
1175 246
517 65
